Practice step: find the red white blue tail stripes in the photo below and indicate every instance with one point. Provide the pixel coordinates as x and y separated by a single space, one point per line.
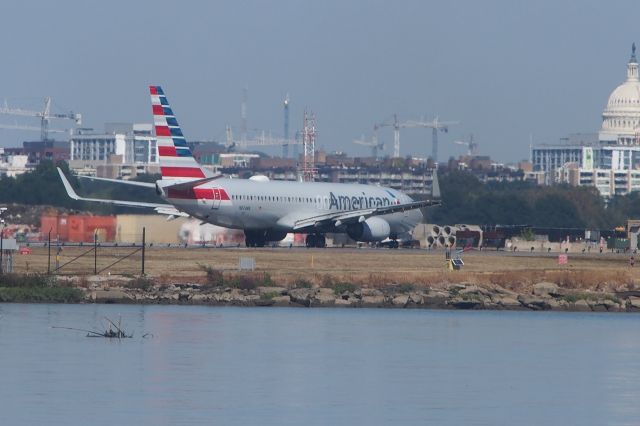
176 160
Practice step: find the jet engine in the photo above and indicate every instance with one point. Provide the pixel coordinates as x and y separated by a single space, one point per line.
371 230
273 235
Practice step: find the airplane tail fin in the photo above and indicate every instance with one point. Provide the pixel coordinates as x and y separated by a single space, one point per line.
435 186
175 157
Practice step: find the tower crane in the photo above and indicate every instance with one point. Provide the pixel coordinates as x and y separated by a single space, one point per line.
396 133
472 146
45 116
263 139
435 125
373 143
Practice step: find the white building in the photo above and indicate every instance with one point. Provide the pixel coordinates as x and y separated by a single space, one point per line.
122 151
12 165
610 161
134 143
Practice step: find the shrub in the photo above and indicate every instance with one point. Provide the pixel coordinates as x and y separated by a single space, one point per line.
339 288
215 278
26 280
327 281
141 283
269 295
406 287
302 283
266 280
246 282
40 294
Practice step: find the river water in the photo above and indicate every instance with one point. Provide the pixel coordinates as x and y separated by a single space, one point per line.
292 366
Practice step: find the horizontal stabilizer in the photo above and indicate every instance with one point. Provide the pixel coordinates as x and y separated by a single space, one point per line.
192 183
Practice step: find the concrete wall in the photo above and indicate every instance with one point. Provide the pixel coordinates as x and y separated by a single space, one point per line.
158 229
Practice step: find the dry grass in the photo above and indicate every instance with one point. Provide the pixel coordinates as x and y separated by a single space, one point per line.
368 268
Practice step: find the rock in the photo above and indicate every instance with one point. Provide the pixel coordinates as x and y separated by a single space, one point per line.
301 296
554 305
400 300
535 303
415 298
371 292
227 296
324 297
343 302
473 289
264 302
460 303
508 302
498 290
200 298
581 305
183 296
435 299
281 300
271 290
373 300
633 303
347 295
110 296
545 289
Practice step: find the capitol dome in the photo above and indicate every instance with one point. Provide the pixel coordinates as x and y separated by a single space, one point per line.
621 117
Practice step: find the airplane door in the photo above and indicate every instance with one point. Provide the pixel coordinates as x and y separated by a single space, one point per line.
216 198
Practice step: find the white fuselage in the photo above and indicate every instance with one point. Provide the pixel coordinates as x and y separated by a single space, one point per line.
252 204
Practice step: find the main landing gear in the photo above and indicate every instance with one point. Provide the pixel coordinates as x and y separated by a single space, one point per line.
254 238
315 240
393 244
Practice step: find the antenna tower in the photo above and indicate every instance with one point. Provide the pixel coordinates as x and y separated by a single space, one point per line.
243 114
309 142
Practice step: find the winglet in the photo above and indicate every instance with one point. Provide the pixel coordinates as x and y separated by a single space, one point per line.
67 186
435 186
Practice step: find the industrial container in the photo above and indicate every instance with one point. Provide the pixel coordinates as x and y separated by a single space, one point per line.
78 228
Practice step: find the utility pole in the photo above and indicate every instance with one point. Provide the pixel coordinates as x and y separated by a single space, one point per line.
2 249
49 252
95 253
285 146
144 244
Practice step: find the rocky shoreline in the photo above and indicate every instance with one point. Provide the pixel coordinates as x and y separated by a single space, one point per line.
544 296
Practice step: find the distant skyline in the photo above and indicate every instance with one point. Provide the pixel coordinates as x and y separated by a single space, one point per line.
507 71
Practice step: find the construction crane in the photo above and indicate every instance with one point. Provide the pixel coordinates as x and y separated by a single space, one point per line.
45 116
396 133
435 125
472 146
373 143
263 139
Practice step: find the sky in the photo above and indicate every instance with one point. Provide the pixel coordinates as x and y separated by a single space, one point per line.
509 72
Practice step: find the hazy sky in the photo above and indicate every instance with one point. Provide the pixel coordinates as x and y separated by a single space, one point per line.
505 69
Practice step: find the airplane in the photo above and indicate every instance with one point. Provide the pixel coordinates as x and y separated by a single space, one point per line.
267 210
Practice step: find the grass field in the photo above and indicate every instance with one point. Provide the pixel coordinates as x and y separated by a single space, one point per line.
368 267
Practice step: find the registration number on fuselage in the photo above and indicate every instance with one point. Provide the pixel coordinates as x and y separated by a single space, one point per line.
244 208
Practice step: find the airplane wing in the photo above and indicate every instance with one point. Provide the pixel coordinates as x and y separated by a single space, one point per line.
353 216
159 207
120 181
